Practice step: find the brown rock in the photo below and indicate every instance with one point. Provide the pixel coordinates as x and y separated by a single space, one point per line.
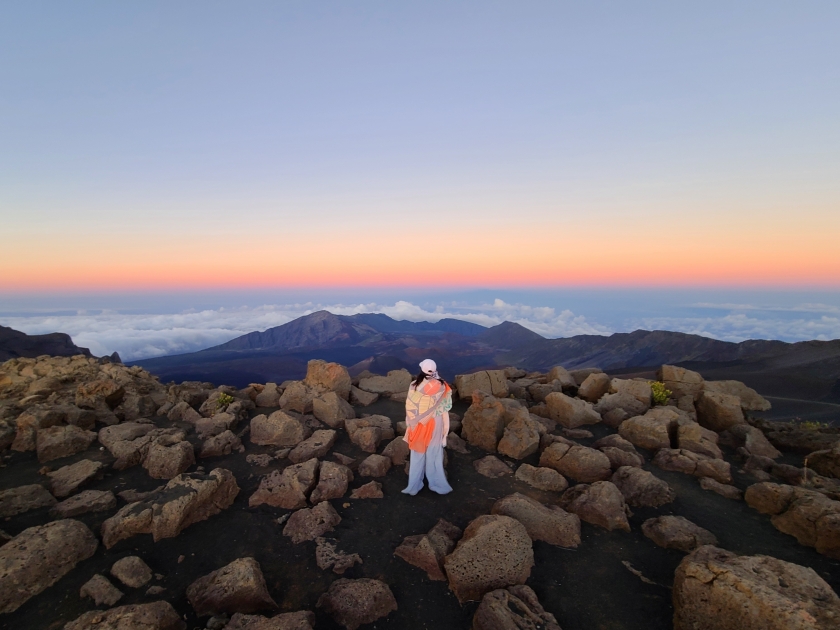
825 462
719 412
361 397
578 462
371 490
68 479
40 556
494 552
369 431
355 602
427 551
678 460
692 437
317 445
724 490
546 479
641 489
455 443
215 425
223 444
718 590
570 412
753 441
521 438
492 382
278 429
262 460
132 571
132 452
396 381
84 502
484 422
559 373
680 381
125 431
631 405
300 620
650 430
676 532
236 587
375 466
332 409
581 374
97 393
21 499
513 607
619 457
601 504
153 616
101 591
397 451
332 482
288 488
550 524
298 397
308 524
62 441
168 456
328 376
186 499
269 396
595 386
327 557
492 467
751 400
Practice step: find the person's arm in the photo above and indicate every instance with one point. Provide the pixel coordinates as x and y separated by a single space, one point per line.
445 428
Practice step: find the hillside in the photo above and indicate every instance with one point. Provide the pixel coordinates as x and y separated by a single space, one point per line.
14 344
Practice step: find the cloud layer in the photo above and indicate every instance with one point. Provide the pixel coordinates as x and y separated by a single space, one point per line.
138 336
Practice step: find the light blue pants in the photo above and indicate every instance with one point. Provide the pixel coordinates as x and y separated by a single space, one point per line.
429 464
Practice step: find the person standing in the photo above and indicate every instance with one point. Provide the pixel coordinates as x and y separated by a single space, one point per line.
427 425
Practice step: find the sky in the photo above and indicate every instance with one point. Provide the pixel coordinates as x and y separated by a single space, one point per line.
159 159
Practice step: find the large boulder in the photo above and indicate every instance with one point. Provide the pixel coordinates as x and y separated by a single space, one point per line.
484 422
223 444
810 516
512 608
581 463
132 571
317 445
570 412
561 374
427 551
21 499
542 478
279 429
677 532
648 431
826 462
594 386
288 488
236 587
330 377
101 591
690 463
332 482
269 396
550 524
395 382
332 409
680 381
298 397
84 502
152 616
94 394
609 404
600 503
692 437
367 432
715 589
186 499
719 412
521 438
493 382
641 488
754 442
62 441
494 552
353 603
361 397
131 452
168 456
309 524
750 399
637 388
40 556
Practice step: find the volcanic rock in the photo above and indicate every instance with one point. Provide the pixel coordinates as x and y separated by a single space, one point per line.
84 502
24 498
168 456
750 399
547 523
396 381
361 397
692 437
97 393
678 460
223 444
492 467
559 373
542 478
332 409
327 557
492 382
153 616
101 591
131 571
375 466
369 431
680 381
287 488
308 524
754 441
638 389
521 438
317 445
269 396
676 532
371 490
40 556
397 451
715 589
723 489
328 377
513 607
641 489
570 412
628 403
62 441
826 462
186 499
298 397
236 587
355 602
494 552
600 503
427 551
719 412
650 430
68 479
619 457
332 482
300 620
484 422
455 443
595 386
581 463
278 429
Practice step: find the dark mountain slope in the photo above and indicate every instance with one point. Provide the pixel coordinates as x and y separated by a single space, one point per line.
509 336
14 344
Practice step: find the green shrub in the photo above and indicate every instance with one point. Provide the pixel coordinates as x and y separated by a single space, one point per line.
813 425
660 394
224 400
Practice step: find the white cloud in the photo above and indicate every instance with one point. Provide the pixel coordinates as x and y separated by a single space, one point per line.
740 326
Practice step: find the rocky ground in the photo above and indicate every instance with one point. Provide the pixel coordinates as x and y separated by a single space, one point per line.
126 503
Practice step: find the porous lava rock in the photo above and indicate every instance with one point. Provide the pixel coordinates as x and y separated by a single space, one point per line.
719 412
723 489
21 499
484 422
641 488
278 429
152 616
62 441
370 490
427 551
677 532
492 467
570 412
494 552
520 439
580 463
600 503
541 478
40 556
750 399
168 456
101 591
222 444
594 386
680 381
550 524
317 445
236 587
300 620
131 571
333 480
328 557
715 589
288 488
679 460
353 603
394 382
515 608
67 479
84 502
332 409
375 466
493 382
367 432
309 524
186 499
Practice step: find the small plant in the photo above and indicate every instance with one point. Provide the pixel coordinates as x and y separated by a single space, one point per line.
660 393
813 425
223 401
